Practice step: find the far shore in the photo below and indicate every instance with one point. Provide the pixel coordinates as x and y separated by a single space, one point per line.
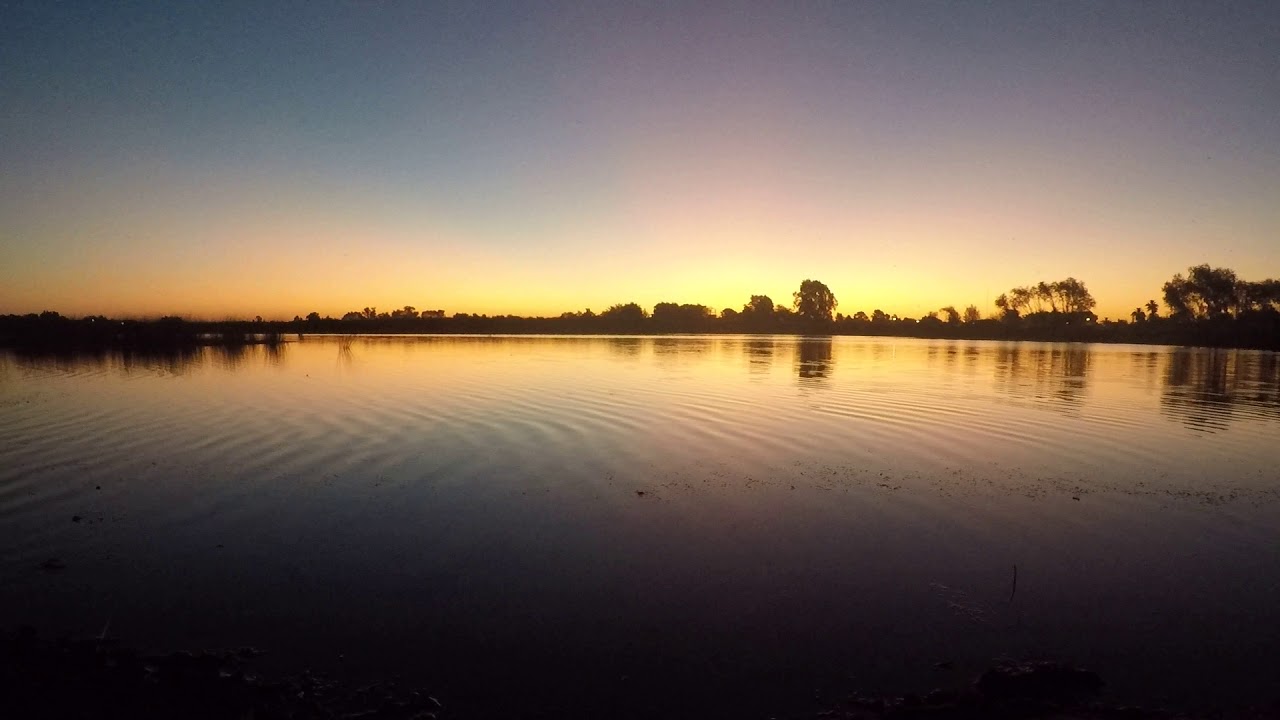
53 332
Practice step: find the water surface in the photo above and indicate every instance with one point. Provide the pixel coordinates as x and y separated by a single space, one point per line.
623 525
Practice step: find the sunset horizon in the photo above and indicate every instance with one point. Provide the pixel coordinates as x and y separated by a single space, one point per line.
630 360
193 308
246 160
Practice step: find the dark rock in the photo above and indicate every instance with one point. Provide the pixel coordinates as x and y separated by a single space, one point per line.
941 697
1037 681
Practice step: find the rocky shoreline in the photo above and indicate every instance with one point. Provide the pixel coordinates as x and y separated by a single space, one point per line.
100 678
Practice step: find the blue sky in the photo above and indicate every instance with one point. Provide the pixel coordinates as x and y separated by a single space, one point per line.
233 159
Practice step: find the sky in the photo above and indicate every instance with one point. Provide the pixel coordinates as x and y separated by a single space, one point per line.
273 158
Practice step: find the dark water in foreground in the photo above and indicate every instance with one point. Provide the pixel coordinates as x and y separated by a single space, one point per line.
738 522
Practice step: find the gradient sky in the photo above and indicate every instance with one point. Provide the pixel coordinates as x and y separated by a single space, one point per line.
232 159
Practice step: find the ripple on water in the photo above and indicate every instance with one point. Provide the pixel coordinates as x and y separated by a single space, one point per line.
450 471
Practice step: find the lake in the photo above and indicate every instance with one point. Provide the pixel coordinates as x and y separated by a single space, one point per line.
626 525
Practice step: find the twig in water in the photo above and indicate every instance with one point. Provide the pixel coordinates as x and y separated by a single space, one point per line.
1014 591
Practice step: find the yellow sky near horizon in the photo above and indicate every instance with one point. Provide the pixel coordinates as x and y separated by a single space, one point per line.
569 157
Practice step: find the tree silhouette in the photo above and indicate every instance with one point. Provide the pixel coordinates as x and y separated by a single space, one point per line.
625 316
670 317
1069 296
1205 292
1044 292
953 315
1260 296
814 301
1153 308
758 309
1020 299
972 314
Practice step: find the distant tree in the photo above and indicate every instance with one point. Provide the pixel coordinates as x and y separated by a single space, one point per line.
879 316
1153 309
409 312
668 316
625 316
665 313
1020 299
1205 292
1071 296
953 315
313 316
353 315
1137 315
1271 295
1045 293
758 307
814 301
1259 296
972 314
861 317
729 314
1175 293
1067 296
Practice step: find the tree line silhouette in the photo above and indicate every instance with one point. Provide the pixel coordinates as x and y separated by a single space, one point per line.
1207 306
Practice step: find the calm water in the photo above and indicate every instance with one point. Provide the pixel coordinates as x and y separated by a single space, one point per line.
588 524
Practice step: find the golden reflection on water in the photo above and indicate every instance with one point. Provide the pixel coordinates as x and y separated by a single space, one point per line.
1200 388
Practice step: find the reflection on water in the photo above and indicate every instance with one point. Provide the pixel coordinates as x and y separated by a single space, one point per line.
629 347
1057 373
1204 388
813 358
1200 387
171 360
759 352
740 517
670 350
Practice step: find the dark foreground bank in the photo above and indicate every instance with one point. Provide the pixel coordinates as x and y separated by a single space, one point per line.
101 678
